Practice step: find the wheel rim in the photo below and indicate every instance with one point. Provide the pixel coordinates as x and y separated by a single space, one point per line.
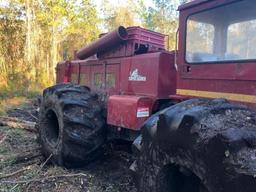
51 126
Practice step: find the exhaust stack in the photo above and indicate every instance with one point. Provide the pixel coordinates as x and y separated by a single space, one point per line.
104 43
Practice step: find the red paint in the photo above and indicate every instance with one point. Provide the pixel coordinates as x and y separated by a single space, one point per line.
159 71
157 68
63 72
131 79
142 79
231 77
124 111
137 38
144 36
104 43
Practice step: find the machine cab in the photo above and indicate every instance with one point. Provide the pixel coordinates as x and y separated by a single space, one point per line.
217 54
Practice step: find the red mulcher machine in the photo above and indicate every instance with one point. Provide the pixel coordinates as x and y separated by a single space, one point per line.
182 109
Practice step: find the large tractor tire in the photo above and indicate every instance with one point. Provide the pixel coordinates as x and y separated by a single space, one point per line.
199 145
71 125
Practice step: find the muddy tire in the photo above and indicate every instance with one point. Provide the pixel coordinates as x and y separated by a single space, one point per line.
198 145
71 125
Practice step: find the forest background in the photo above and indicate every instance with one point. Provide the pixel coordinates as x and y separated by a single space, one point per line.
36 34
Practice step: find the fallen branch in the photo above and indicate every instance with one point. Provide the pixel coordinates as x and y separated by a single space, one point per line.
2 176
17 123
46 161
24 157
42 180
2 139
14 187
14 119
26 111
33 116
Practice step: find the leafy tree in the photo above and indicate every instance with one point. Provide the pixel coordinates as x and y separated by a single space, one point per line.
36 34
11 47
161 17
116 15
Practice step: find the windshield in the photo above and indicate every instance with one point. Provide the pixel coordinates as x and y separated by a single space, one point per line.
226 33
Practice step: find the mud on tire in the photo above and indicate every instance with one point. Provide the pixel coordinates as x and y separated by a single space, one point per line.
71 125
199 145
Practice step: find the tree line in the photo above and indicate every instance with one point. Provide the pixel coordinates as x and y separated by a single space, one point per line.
36 34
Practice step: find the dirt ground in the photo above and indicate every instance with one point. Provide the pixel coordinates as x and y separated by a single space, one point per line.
22 167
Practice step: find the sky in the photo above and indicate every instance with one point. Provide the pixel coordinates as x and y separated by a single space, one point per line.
148 3
118 2
98 2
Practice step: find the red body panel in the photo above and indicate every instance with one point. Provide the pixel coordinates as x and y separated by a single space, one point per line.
126 78
144 36
156 70
137 36
128 111
159 73
129 81
229 77
62 72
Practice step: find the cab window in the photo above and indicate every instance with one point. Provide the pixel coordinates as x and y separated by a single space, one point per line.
225 33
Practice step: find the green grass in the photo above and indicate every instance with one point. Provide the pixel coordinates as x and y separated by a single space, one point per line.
3 150
8 103
18 92
10 146
13 97
14 188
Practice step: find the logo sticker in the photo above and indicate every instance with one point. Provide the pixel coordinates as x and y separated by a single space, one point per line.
143 112
135 76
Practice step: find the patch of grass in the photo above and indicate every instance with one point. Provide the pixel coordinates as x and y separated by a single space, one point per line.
3 150
13 94
7 162
9 92
7 157
12 188
17 133
9 103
